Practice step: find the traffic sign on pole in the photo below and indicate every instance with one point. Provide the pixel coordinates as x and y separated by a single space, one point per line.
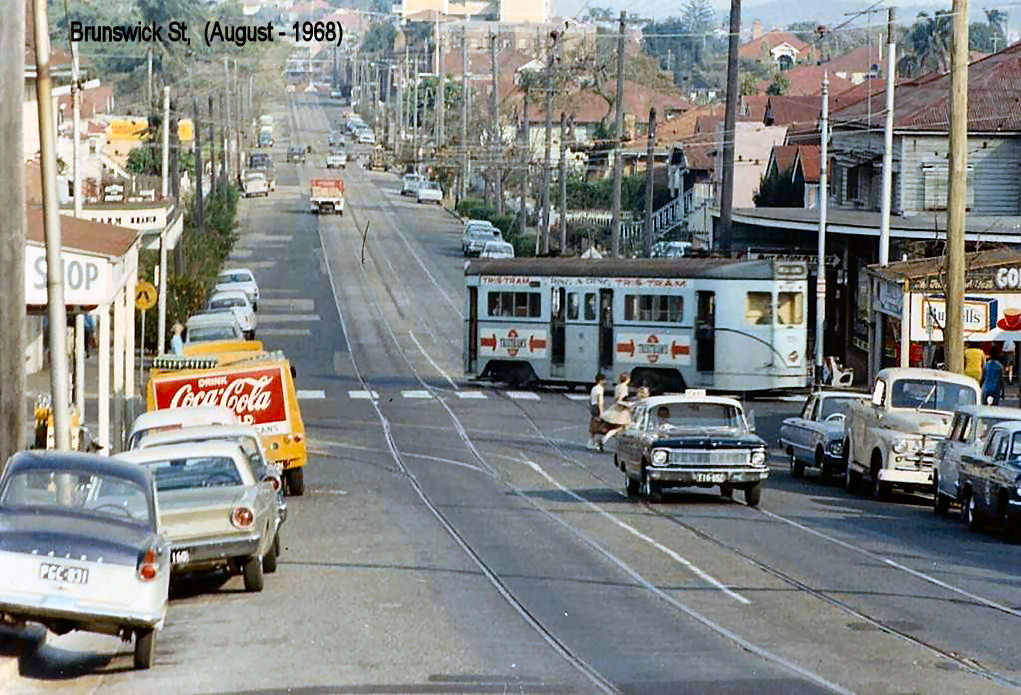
145 295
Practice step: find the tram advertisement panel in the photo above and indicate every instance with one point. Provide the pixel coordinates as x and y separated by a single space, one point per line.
512 342
654 348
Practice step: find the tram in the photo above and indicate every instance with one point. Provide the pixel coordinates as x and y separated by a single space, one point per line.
714 323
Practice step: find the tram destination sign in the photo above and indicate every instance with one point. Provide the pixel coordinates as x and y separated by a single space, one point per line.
586 282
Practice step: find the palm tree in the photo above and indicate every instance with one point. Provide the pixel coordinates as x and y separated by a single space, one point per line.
928 44
998 22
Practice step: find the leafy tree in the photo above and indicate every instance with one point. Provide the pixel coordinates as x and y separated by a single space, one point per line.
779 85
379 38
997 20
144 160
928 44
983 37
778 190
749 85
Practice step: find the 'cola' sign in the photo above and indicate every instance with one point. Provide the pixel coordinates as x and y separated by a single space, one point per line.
255 395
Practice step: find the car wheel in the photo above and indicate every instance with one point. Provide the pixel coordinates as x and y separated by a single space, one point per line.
1012 528
969 512
253 574
752 494
269 560
797 468
295 481
649 489
145 648
880 489
727 491
852 479
940 502
630 485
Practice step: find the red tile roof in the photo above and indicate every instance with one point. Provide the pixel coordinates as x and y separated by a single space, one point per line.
700 152
82 235
994 98
784 110
856 60
806 80
808 160
754 49
783 156
585 106
93 101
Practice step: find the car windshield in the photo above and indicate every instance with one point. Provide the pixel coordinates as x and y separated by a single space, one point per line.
431 185
931 394
695 416
226 303
196 335
84 493
477 233
234 277
834 405
198 471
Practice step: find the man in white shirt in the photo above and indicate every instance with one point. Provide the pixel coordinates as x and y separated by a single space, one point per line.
595 400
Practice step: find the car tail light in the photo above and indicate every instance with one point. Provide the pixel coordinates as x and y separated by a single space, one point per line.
274 480
298 438
242 517
148 565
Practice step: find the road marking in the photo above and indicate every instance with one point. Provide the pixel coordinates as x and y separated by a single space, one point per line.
311 394
472 395
577 396
433 363
260 265
296 305
523 395
425 457
242 253
363 395
287 318
284 331
416 394
638 534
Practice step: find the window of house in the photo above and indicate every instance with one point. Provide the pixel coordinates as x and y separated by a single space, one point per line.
660 308
852 182
759 309
518 304
790 308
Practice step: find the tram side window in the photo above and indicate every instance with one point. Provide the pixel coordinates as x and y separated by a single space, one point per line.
790 308
519 304
573 306
759 309
662 308
590 306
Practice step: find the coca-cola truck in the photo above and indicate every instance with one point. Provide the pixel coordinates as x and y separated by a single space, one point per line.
258 387
327 196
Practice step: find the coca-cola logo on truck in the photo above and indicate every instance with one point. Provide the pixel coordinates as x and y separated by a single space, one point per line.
255 395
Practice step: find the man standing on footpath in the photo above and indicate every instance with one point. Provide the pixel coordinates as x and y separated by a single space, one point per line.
595 400
992 378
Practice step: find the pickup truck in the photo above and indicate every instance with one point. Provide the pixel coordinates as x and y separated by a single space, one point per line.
893 436
327 196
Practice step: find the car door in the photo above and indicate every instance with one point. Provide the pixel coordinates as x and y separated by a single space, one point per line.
962 436
629 442
974 466
793 431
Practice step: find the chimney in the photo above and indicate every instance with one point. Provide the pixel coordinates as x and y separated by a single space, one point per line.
757 29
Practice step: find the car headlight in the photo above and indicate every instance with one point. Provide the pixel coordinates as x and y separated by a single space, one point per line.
901 446
659 457
836 447
758 457
1017 486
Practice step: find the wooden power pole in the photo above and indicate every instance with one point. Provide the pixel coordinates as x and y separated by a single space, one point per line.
650 170
464 114
723 240
496 140
953 331
12 235
563 183
618 135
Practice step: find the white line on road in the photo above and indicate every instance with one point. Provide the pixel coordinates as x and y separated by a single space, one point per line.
297 305
363 395
425 457
638 534
577 396
311 394
416 394
261 265
284 331
523 395
895 564
472 395
287 318
437 367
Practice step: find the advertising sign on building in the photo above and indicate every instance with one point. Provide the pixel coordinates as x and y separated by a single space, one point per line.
992 317
88 280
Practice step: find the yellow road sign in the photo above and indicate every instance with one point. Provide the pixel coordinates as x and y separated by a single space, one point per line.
145 295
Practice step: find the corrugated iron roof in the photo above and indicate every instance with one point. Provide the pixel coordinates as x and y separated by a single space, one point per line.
926 267
624 267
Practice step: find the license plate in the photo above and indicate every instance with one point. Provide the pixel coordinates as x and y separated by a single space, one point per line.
63 573
180 557
710 477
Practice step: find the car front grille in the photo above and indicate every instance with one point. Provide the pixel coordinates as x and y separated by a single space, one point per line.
706 457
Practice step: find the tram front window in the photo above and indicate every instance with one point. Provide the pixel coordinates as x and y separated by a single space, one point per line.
759 309
790 308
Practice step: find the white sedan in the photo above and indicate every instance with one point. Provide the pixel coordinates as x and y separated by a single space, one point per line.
430 191
236 301
239 279
255 183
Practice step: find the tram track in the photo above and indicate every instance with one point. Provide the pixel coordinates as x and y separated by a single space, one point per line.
970 665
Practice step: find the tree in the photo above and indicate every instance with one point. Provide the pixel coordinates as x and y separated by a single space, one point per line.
998 22
749 86
928 42
379 38
778 190
983 37
779 85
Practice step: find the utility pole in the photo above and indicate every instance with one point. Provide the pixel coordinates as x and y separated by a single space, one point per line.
238 88
876 354
161 297
76 111
820 269
224 152
414 130
463 191
618 136
526 157
225 100
725 237
496 140
148 93
212 147
953 331
563 183
12 235
200 212
650 169
56 310
547 154
441 82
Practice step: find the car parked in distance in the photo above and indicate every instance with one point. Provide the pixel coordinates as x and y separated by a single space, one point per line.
336 160
967 436
366 137
203 328
815 438
81 548
215 512
237 302
239 279
255 183
497 249
691 440
410 184
430 192
990 482
296 153
173 419
476 234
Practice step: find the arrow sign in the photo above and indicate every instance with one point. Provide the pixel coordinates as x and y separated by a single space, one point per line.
536 343
676 349
628 347
488 342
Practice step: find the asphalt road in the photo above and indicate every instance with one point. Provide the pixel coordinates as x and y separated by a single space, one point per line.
461 539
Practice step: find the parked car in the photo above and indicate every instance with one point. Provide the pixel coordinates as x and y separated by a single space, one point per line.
81 548
366 137
815 438
172 419
430 192
203 328
475 237
892 437
670 249
255 183
966 438
691 440
215 512
239 279
336 160
497 249
237 302
296 153
990 481
410 184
